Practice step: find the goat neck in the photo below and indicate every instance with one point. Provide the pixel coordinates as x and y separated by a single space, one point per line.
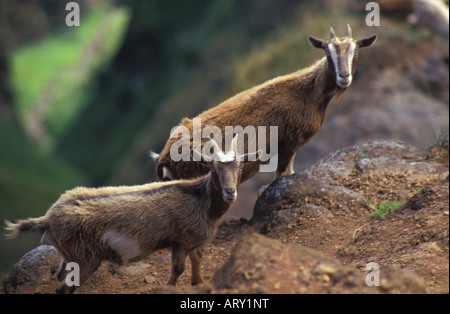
325 83
217 205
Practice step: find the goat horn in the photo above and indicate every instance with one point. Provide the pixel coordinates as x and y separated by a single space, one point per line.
234 143
216 147
349 31
332 34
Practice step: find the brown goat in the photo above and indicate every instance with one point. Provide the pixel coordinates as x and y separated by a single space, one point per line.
296 103
126 224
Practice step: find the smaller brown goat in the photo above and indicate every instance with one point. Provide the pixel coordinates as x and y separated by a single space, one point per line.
126 224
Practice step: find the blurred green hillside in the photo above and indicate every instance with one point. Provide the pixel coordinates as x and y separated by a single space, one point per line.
181 50
84 105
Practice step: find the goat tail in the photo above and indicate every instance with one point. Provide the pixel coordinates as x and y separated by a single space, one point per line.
25 225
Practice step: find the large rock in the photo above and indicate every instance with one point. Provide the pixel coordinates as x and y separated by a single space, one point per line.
289 189
261 265
35 272
377 158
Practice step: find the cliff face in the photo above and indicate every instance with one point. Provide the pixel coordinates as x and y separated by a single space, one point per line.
317 234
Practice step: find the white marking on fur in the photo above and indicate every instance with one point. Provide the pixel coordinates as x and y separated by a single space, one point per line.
166 173
351 54
126 248
220 156
349 60
333 55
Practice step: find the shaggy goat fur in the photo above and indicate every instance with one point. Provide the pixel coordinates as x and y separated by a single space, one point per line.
127 223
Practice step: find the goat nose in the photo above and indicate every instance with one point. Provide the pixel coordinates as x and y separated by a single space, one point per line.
230 191
344 74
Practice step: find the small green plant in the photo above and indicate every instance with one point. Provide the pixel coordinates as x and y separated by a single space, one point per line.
363 156
386 207
48 91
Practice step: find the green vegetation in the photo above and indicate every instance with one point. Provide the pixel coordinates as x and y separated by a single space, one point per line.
386 208
47 76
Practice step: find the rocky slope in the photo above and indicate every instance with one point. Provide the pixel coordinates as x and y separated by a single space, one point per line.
311 232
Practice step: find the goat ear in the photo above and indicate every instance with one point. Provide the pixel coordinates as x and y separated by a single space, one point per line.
366 41
316 42
250 157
